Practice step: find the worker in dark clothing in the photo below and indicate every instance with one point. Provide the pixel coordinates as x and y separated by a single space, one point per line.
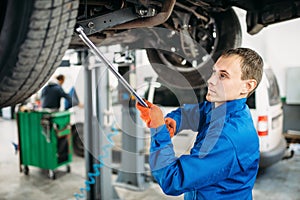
53 92
223 162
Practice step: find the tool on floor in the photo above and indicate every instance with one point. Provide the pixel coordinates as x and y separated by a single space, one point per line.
96 51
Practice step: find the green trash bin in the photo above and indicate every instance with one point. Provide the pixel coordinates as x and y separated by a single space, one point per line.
44 140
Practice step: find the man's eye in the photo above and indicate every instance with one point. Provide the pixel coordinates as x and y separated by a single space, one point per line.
222 76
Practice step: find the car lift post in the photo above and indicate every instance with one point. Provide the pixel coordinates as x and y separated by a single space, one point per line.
132 170
95 104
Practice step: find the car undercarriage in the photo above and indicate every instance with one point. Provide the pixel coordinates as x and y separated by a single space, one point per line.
181 37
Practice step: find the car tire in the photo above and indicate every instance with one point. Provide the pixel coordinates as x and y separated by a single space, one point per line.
228 35
34 35
77 135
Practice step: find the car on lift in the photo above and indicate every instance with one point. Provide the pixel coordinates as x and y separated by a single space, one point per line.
181 36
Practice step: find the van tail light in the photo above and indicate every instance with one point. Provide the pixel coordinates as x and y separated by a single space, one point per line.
262 125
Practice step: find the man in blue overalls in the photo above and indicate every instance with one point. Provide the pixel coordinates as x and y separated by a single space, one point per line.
223 162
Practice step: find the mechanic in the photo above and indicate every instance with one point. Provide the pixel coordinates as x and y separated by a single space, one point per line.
223 162
53 92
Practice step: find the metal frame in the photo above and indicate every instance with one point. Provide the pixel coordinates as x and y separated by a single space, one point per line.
95 128
98 24
132 170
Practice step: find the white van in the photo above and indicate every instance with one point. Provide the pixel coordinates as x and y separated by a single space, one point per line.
265 107
267 113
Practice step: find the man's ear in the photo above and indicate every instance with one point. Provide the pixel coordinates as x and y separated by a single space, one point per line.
249 86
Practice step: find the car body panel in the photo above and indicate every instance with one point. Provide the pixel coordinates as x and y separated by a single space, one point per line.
272 145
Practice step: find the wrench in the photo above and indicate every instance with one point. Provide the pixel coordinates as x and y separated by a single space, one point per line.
98 53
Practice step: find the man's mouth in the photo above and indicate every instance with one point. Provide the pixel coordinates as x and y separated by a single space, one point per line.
211 91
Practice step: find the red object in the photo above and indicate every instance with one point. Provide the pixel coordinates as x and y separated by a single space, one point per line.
171 125
145 112
262 125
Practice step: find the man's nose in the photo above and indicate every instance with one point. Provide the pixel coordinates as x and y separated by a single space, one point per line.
212 80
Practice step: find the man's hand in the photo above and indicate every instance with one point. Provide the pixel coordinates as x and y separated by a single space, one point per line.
80 105
152 115
171 125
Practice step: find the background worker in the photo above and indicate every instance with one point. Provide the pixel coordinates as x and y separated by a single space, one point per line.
53 92
223 163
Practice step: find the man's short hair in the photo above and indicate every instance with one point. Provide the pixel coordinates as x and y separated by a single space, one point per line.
60 77
251 63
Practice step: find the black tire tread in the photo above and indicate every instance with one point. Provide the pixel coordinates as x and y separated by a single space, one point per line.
50 31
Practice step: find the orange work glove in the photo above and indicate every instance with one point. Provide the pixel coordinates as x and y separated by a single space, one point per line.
145 115
171 125
152 115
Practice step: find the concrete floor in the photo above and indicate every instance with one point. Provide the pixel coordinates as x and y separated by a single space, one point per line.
280 181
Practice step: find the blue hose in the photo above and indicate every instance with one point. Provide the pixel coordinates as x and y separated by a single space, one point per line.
96 167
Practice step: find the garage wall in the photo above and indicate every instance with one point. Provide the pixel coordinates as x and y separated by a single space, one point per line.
278 44
144 68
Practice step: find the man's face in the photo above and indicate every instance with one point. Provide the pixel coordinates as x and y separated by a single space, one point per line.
225 83
61 82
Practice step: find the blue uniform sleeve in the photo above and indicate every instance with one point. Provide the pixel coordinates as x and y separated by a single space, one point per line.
189 172
74 98
187 117
65 95
161 148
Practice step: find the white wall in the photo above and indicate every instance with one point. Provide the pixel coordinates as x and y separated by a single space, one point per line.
144 68
278 44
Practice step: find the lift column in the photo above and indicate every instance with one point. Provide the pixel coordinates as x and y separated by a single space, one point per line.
88 117
131 174
97 128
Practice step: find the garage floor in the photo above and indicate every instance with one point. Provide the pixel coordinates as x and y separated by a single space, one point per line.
280 181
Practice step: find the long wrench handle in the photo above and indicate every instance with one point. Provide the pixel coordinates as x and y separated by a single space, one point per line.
98 53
